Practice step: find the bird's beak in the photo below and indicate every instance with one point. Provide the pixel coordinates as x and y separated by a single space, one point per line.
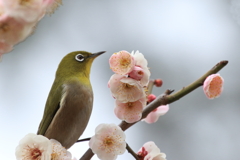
94 55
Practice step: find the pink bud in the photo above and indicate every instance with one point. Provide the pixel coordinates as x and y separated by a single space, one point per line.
150 98
158 82
213 86
137 73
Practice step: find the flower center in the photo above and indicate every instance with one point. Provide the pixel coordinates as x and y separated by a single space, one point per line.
24 2
4 27
125 62
36 154
128 86
108 141
142 153
215 86
140 73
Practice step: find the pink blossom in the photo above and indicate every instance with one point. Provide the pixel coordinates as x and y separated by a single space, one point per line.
121 62
137 73
34 147
150 151
4 48
51 5
125 89
29 11
213 86
131 111
153 116
59 152
108 141
150 98
12 31
141 62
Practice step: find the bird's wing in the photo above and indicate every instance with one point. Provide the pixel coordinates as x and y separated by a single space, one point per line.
52 106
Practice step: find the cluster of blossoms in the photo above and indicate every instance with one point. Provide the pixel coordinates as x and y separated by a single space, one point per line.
18 19
128 84
38 147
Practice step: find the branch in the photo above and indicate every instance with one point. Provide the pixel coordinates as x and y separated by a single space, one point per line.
166 98
132 152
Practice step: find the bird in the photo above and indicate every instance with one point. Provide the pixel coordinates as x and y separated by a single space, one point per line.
69 104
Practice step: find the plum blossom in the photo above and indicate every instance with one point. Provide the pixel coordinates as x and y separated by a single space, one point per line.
51 5
34 147
4 48
121 62
150 151
12 31
59 152
131 111
213 86
26 10
108 141
125 89
137 73
141 62
153 116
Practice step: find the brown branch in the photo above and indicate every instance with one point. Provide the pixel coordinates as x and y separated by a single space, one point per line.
132 152
166 98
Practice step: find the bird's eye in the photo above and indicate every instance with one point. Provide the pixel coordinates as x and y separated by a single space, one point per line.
79 57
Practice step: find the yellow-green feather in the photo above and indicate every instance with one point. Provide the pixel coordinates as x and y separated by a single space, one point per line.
69 68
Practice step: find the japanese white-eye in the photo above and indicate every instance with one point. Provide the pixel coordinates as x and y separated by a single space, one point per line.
70 100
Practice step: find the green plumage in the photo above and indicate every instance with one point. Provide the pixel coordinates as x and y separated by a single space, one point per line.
69 103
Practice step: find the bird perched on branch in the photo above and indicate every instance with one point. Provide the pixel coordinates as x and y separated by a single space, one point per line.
70 100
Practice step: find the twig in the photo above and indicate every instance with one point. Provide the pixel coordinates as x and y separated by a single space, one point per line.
166 98
132 152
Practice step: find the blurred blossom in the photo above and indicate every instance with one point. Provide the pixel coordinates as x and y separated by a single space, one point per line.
131 111
59 152
12 30
34 147
51 5
150 151
4 47
108 141
125 89
29 11
153 116
121 62
213 86
18 19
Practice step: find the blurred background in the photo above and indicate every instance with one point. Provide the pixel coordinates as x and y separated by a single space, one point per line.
181 39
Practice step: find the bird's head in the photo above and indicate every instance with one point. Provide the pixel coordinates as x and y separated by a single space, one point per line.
77 63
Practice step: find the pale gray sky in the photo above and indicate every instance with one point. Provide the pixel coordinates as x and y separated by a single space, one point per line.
181 39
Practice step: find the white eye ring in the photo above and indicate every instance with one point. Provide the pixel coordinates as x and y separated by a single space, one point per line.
79 57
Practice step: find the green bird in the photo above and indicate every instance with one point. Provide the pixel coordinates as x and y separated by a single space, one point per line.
70 100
